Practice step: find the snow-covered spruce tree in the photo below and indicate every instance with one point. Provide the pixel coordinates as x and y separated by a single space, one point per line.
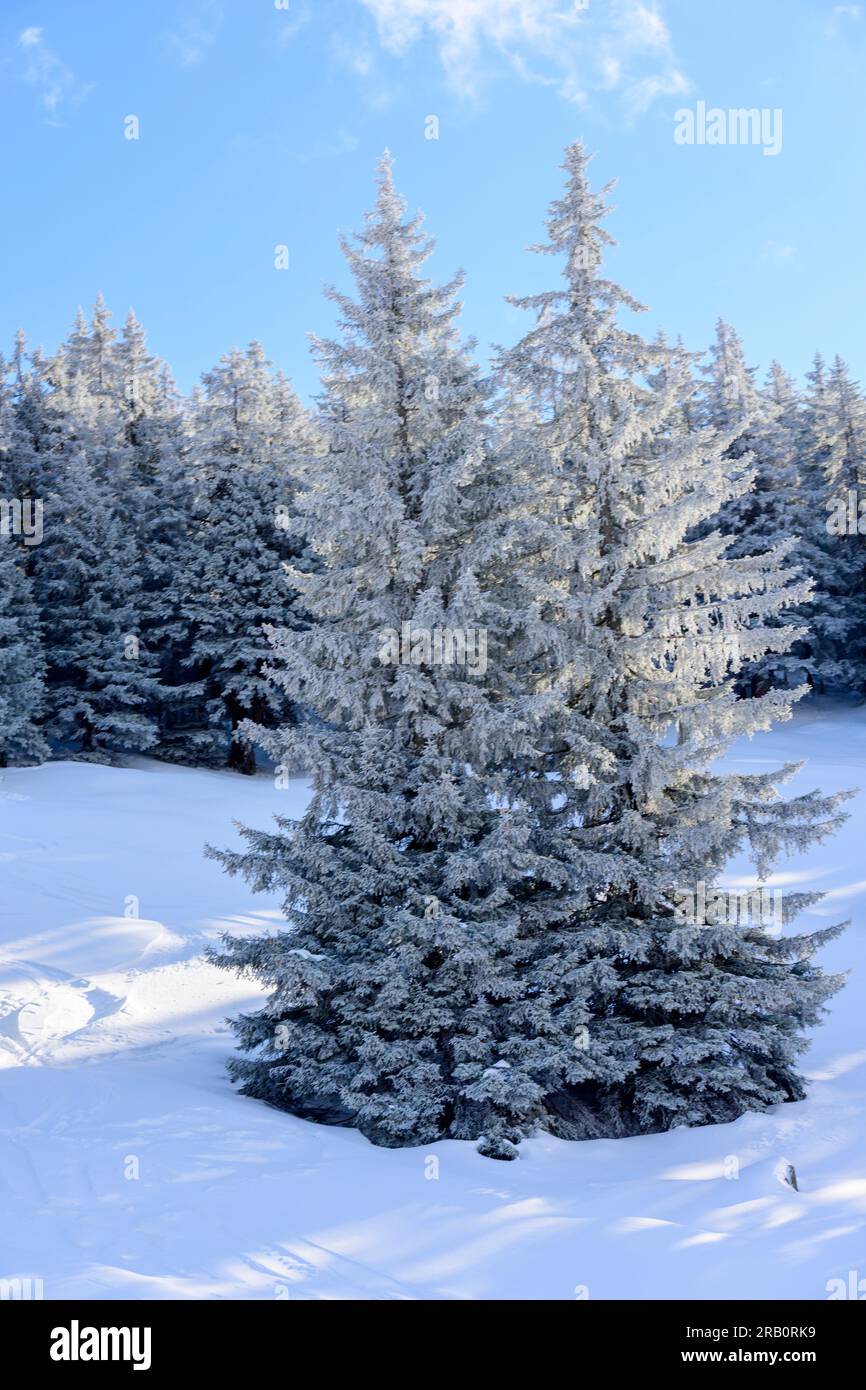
731 403
404 880
248 432
767 425
771 504
22 667
156 502
780 486
26 470
100 679
807 461
643 623
770 446
789 487
832 451
12 462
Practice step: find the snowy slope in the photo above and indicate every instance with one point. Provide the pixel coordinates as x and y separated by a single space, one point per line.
130 1169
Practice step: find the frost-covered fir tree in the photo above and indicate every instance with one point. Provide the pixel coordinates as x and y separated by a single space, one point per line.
832 451
22 668
156 501
87 389
101 680
631 1013
730 402
781 514
788 489
249 432
404 881
99 690
764 427
25 470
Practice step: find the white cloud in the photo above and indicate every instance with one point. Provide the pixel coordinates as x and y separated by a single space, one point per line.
45 71
195 32
646 90
611 71
293 27
621 45
838 17
360 58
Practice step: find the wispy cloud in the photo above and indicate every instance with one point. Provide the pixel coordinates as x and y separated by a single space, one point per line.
194 32
299 20
578 46
46 71
645 90
359 57
840 16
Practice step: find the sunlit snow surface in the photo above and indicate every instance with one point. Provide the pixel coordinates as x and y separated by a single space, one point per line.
112 1050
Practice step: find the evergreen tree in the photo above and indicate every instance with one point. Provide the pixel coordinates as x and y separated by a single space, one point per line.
403 879
157 503
786 499
833 548
26 469
22 668
780 515
101 681
247 433
731 403
685 1021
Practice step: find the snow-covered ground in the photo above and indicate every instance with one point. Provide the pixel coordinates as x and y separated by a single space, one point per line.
130 1169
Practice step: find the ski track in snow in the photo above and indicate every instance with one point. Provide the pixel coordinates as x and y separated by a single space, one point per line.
129 1168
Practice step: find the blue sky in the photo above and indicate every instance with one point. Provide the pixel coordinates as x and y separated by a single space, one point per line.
261 123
